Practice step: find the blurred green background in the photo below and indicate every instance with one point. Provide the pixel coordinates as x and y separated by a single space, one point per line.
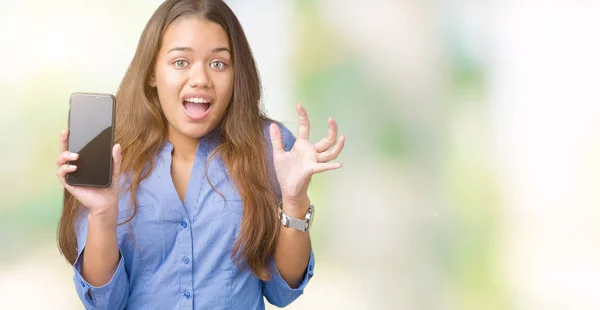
470 176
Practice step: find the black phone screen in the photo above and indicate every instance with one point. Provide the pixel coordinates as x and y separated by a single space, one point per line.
91 134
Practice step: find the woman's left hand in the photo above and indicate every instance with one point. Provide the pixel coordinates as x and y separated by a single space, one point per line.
295 168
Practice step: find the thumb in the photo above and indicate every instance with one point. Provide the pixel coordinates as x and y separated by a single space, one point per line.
276 140
117 158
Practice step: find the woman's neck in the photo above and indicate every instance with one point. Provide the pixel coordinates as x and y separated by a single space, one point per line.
184 148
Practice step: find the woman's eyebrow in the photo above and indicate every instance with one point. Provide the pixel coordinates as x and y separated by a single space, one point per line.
181 49
189 49
221 49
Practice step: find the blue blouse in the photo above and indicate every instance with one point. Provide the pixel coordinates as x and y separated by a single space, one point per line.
177 255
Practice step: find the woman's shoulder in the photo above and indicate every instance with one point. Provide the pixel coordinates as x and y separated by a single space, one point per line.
146 191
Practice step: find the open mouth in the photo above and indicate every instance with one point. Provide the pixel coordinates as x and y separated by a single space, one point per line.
196 106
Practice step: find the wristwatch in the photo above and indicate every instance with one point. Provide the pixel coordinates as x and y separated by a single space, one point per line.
301 225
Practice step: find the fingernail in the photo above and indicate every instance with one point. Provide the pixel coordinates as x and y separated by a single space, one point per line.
72 167
73 155
64 131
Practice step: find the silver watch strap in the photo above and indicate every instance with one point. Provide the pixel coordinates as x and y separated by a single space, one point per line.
301 225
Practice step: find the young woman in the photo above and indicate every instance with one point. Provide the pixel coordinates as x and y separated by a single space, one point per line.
208 207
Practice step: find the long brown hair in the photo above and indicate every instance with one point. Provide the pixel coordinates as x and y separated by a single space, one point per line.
141 130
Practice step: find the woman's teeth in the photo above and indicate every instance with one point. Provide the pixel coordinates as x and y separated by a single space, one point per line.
196 100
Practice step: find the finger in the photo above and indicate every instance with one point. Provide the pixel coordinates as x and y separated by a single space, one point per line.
304 128
64 137
117 159
276 140
62 173
328 141
333 153
64 157
322 167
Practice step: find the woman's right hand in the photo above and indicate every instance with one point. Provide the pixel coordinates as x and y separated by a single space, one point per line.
99 201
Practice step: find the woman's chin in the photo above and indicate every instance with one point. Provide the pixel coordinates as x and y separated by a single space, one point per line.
195 131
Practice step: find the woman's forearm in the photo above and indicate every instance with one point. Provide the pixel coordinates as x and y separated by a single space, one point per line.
101 254
293 247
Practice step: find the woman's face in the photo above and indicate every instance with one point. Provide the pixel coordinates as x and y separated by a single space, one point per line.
193 76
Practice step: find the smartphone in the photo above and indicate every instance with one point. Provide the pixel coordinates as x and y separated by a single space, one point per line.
91 135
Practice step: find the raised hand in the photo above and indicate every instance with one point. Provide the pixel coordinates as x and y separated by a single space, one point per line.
98 200
295 168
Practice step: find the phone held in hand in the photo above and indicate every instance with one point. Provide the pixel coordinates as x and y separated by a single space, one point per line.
91 135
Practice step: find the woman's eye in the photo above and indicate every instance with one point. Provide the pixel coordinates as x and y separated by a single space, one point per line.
218 65
180 63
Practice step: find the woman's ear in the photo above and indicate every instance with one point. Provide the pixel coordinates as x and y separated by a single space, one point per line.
152 81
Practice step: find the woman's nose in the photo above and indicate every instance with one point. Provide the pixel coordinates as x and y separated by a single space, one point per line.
199 78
